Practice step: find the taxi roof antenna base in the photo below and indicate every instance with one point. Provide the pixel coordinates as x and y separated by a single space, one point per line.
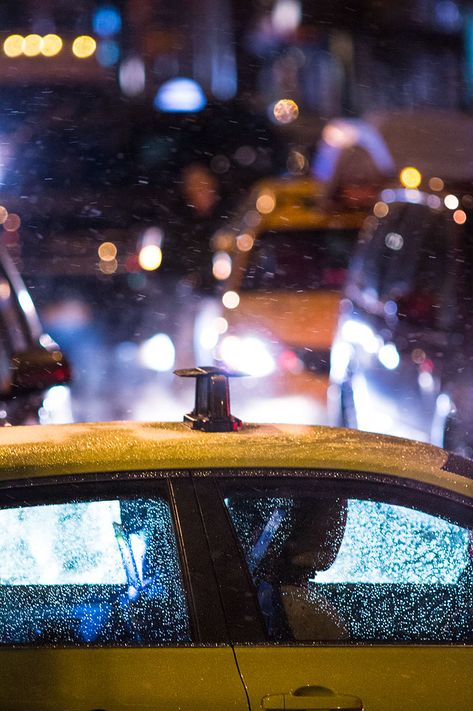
211 412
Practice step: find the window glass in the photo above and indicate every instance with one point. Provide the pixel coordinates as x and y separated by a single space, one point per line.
307 259
98 572
332 568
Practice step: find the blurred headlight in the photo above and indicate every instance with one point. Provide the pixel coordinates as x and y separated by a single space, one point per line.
249 354
158 353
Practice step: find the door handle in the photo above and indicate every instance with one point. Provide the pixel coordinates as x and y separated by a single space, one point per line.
312 697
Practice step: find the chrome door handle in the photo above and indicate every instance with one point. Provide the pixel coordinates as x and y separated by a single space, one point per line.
312 697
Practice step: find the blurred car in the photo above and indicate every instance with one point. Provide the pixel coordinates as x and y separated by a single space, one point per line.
254 567
33 371
402 357
281 268
372 150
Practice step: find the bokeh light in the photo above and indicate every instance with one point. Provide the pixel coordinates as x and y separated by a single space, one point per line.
108 267
221 265
381 209
106 21
285 111
410 177
13 45
108 53
3 214
230 299
158 353
266 203
107 251
150 257
459 216
132 76
32 45
436 184
180 94
245 242
84 46
451 201
51 45
12 222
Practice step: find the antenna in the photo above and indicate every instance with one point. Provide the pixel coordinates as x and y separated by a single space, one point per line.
211 412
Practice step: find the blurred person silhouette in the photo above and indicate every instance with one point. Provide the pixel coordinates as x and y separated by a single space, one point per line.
196 213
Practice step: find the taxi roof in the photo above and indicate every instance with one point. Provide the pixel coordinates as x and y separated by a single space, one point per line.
56 450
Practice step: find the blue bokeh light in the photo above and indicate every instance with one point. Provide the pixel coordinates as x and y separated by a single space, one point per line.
106 21
180 95
108 53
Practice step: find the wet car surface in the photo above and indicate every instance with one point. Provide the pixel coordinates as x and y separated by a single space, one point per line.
185 568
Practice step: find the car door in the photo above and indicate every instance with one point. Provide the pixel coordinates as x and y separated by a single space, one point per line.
359 594
108 599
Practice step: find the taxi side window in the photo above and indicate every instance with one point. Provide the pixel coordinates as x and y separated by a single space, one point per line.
327 568
103 573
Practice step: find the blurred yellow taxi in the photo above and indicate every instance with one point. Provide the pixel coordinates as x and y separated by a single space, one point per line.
165 566
281 265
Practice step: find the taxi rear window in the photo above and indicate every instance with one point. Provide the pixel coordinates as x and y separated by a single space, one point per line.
299 259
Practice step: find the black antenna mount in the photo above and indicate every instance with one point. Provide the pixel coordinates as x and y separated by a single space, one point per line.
211 412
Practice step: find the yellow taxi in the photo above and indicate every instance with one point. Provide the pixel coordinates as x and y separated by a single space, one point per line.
215 565
281 265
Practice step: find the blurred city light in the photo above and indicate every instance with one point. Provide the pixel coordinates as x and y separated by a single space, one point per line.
51 45
249 355
26 302
221 265
285 111
434 201
340 135
179 95
106 21
230 300
84 46
3 214
158 353
107 251
150 257
410 177
381 209
459 216
5 290
221 325
13 46
12 222
451 202
245 242
286 16
132 76
245 155
32 45
108 53
266 203
394 241
108 266
388 356
436 184
412 195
